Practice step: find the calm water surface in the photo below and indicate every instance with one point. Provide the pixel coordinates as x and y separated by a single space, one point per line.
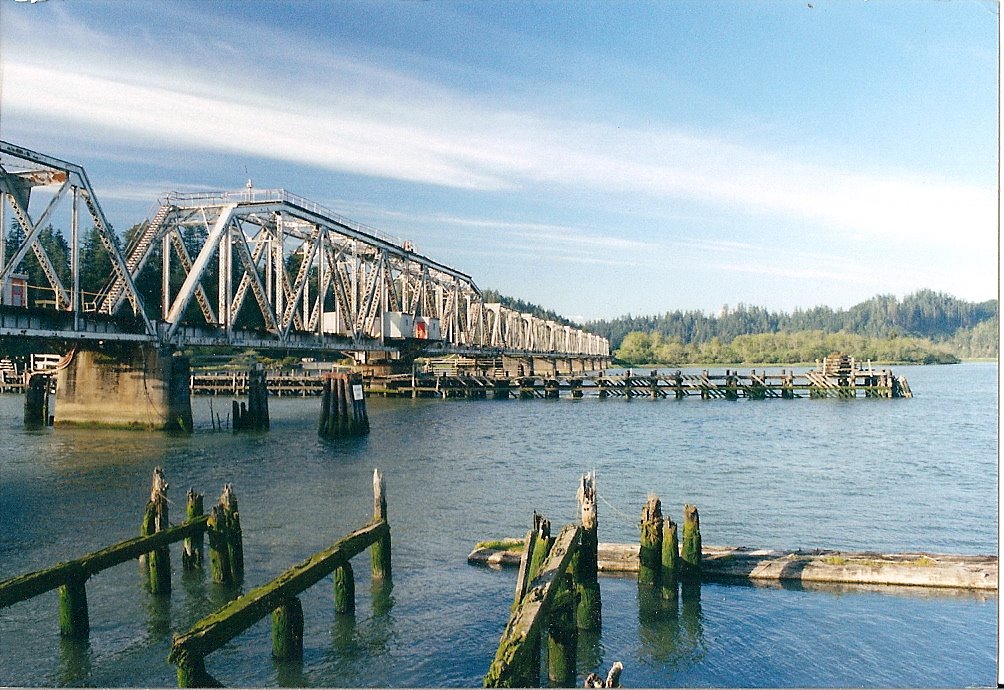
903 475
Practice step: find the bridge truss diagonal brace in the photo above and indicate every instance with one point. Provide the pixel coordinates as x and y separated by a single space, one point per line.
32 230
192 280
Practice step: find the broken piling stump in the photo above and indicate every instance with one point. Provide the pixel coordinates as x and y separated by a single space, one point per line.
690 557
650 552
588 614
157 565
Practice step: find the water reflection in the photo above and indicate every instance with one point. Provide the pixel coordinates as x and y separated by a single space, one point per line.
74 661
289 673
670 625
158 617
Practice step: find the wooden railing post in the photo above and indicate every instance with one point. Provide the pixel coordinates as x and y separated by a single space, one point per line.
380 551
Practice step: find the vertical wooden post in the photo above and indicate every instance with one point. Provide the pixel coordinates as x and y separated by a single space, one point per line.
219 550
36 401
380 550
670 558
650 554
287 630
73 617
678 381
235 536
191 553
322 425
588 614
226 540
155 519
192 673
690 558
345 589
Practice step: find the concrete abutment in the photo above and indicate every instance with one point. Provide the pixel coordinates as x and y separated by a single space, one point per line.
134 388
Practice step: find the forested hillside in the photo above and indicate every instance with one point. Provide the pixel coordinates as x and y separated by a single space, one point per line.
948 324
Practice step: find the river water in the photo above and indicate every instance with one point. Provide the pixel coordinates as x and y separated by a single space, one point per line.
888 475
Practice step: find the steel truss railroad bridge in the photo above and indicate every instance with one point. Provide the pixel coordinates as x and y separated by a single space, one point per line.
274 271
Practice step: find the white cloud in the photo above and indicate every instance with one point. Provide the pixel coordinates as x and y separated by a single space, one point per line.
346 115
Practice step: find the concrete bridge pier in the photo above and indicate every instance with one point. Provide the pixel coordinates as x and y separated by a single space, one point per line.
131 387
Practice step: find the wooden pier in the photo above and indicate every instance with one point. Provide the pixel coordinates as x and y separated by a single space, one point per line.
836 377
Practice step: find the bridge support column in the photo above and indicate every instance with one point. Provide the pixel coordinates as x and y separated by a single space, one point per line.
138 388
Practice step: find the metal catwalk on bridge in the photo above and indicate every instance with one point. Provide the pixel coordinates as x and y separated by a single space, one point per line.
265 268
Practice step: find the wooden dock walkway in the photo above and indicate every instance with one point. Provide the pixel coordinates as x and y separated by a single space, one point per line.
815 566
730 385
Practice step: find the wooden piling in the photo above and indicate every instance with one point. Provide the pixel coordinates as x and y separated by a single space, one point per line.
670 554
191 554
287 630
515 665
226 540
157 565
588 614
343 407
36 401
192 673
650 554
345 589
380 550
562 636
219 550
235 535
73 617
690 557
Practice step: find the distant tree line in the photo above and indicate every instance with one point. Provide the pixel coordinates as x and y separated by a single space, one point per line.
941 324
640 348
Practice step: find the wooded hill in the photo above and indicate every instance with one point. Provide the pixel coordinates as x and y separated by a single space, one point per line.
926 326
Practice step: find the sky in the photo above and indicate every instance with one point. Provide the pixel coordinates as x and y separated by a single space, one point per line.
597 158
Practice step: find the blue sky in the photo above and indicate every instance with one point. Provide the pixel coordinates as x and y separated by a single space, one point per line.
597 158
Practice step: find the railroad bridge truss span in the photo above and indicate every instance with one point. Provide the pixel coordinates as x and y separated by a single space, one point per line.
268 270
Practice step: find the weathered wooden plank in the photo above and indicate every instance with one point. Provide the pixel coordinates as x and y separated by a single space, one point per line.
217 629
30 585
525 621
819 565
